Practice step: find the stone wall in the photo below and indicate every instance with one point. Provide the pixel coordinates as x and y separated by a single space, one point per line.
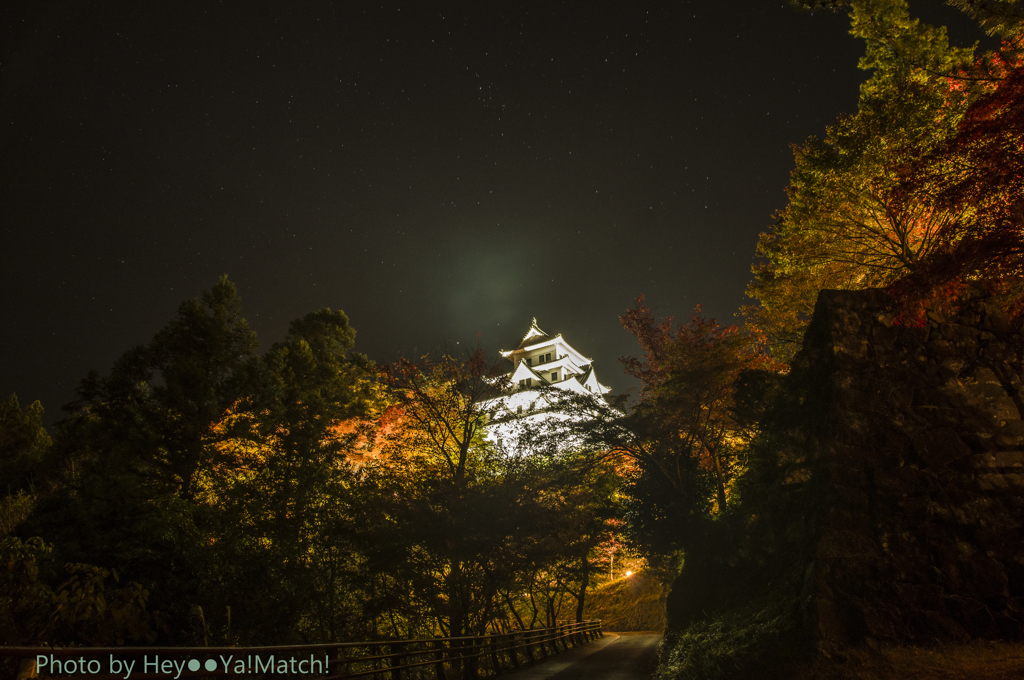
917 471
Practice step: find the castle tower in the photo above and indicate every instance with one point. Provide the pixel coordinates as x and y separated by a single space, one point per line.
540 362
541 359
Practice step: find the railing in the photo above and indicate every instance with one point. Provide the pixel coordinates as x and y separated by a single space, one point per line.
458 658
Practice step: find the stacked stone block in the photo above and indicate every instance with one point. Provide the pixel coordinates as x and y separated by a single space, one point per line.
918 472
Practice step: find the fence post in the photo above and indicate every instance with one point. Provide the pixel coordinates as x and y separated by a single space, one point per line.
439 656
528 646
396 662
513 653
553 632
467 653
495 662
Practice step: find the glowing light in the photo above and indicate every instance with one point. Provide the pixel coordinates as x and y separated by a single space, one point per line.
628 574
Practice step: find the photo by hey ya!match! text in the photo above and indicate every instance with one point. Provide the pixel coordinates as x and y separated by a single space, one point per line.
173 668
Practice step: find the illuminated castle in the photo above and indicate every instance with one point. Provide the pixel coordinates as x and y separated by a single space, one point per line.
539 364
544 360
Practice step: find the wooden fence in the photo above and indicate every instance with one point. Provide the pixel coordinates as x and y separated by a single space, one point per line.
458 658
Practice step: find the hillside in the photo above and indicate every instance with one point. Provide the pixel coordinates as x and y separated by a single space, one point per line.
627 604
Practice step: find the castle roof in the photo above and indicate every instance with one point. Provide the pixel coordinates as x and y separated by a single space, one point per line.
534 336
571 366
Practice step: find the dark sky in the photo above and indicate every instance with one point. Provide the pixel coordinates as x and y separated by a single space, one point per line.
436 170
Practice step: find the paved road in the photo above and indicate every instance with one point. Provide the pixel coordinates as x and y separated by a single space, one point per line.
616 656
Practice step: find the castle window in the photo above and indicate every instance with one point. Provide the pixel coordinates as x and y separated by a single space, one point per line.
554 376
519 409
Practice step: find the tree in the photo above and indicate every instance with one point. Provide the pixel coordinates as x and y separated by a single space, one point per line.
845 226
689 376
288 498
680 448
434 500
1003 18
165 403
24 445
453 529
83 608
588 521
979 175
192 374
137 451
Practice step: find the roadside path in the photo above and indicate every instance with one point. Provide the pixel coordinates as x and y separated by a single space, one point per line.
616 656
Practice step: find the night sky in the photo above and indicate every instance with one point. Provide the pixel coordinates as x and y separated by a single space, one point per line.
435 170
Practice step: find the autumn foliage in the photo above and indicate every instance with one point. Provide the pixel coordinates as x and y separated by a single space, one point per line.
979 175
689 374
919 192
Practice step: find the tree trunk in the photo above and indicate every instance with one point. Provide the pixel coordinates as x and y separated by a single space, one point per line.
720 482
584 582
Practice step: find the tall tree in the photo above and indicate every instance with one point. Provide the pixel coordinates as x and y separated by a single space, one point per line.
689 378
289 498
168 400
979 175
454 529
139 445
435 482
24 443
844 226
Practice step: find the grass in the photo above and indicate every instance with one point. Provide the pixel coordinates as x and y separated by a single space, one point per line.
629 604
755 641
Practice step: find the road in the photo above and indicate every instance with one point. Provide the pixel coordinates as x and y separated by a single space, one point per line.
616 656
